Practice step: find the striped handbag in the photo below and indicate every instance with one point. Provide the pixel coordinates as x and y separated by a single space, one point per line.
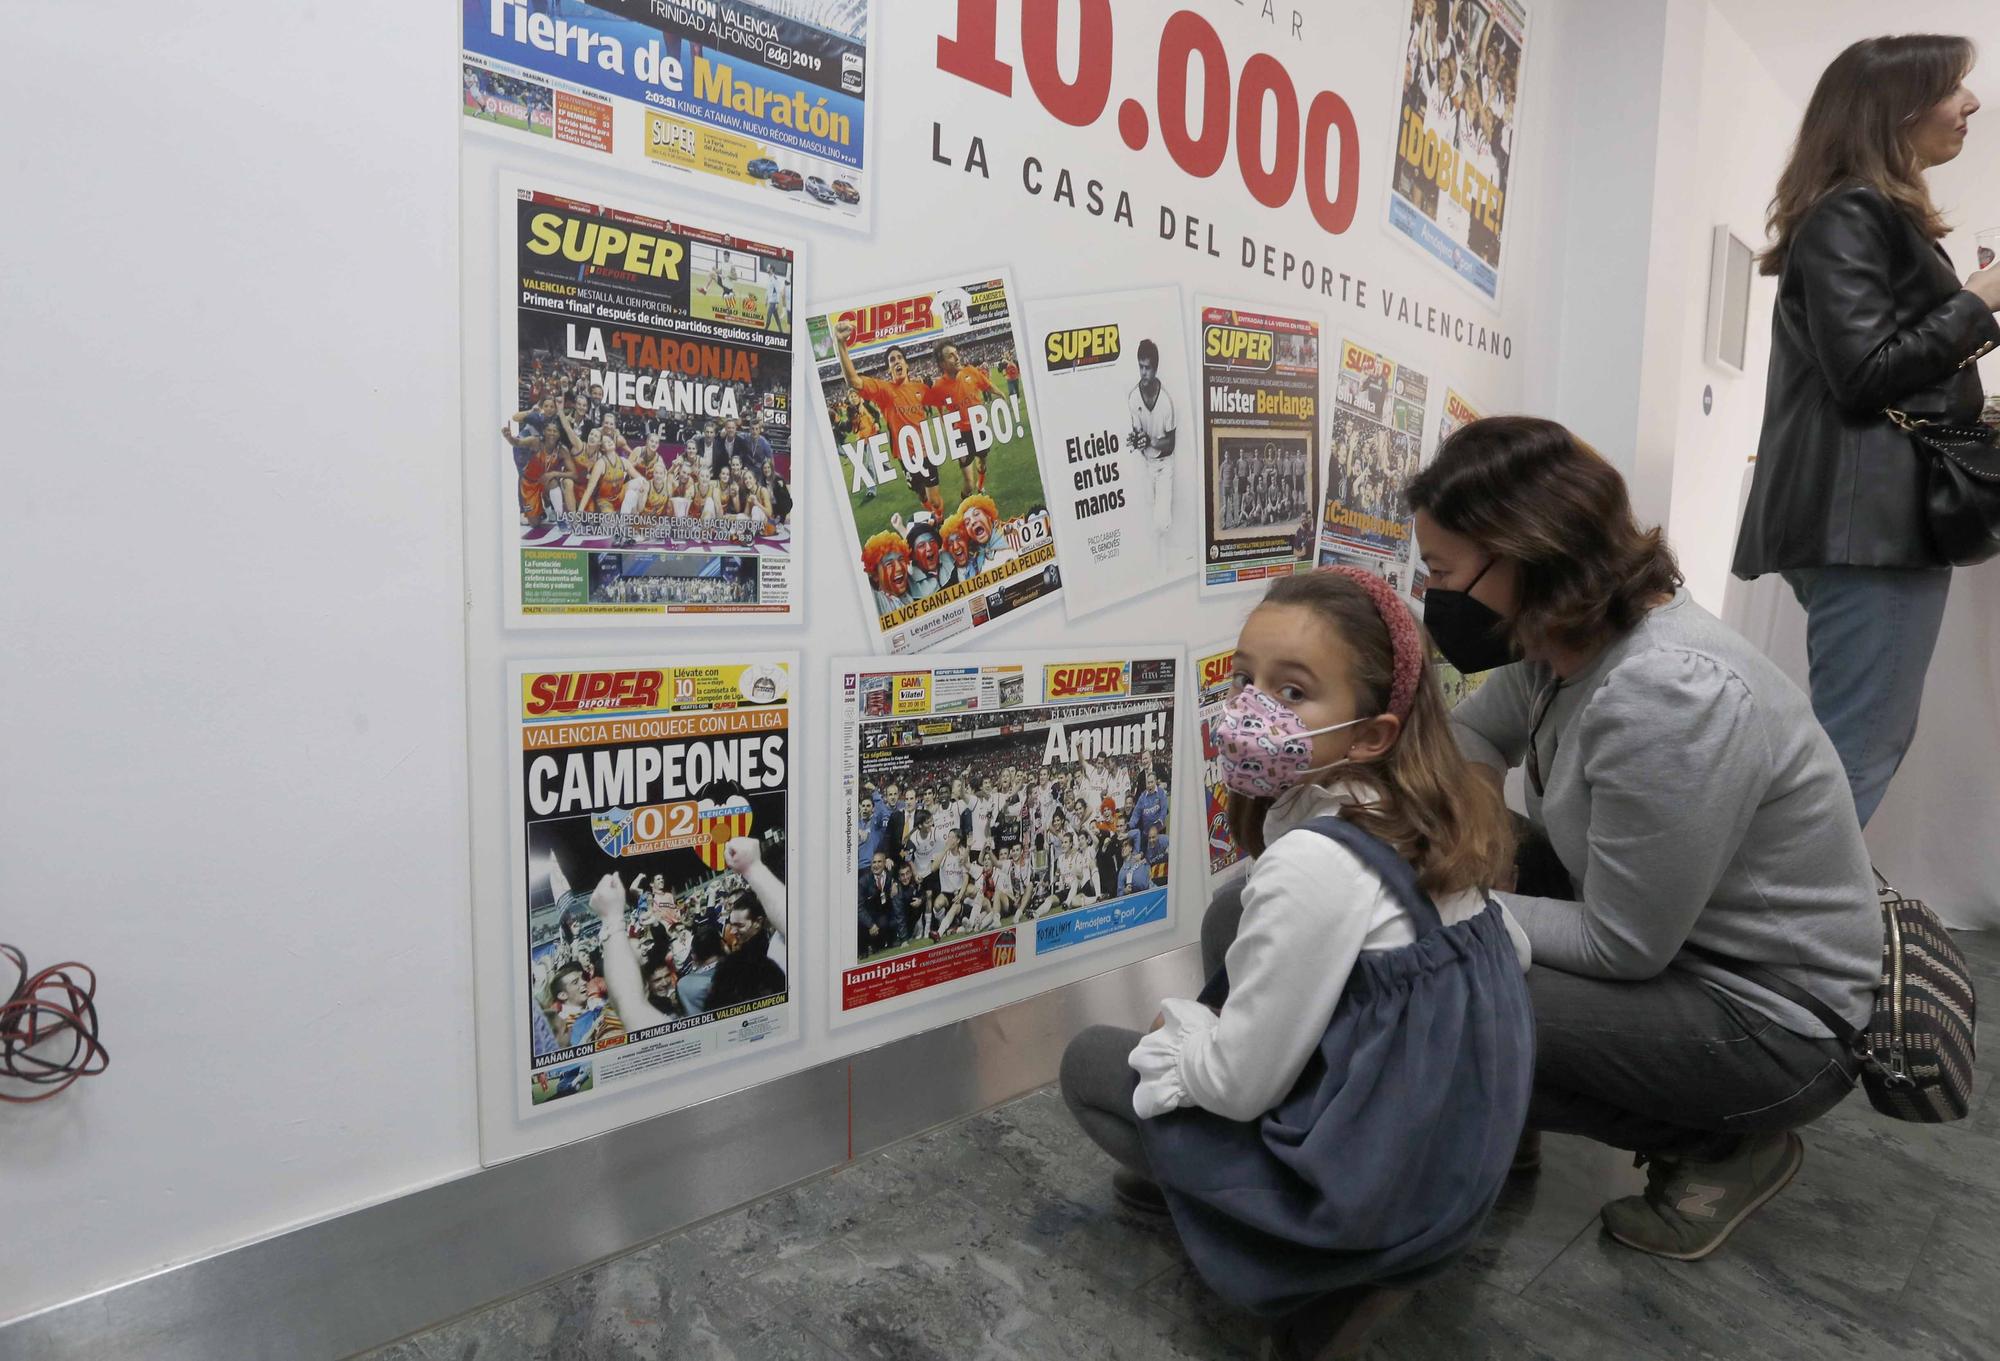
1916 1054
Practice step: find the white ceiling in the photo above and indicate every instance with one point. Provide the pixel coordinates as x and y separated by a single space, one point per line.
1797 38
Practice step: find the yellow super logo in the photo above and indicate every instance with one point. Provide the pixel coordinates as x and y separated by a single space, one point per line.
1081 347
1238 347
1218 670
599 244
1094 680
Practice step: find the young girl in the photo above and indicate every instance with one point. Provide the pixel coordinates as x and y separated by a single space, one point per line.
1334 1116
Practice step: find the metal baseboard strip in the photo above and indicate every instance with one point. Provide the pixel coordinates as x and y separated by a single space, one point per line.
362 1279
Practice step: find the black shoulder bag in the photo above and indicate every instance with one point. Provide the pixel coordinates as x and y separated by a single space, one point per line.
1962 493
1916 1054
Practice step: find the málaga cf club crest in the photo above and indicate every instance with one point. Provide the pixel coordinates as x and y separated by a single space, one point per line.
613 830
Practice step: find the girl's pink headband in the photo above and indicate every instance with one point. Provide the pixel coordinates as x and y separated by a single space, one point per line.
1406 643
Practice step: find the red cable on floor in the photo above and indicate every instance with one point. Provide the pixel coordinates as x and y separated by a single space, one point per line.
42 1009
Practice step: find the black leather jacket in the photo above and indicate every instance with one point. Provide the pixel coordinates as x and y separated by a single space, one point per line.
1870 314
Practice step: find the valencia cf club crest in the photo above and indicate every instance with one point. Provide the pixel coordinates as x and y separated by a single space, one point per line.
720 824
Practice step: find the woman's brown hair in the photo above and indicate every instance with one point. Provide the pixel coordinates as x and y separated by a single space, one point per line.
1527 489
1427 802
1856 130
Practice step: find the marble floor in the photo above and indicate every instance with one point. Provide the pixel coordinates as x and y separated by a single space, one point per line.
997 1237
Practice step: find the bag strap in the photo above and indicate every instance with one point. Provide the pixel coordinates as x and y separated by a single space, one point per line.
1390 868
1791 992
1924 431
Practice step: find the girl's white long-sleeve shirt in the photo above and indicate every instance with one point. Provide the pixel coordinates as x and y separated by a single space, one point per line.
1310 908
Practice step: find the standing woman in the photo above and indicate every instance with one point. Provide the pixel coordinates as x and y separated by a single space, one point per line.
1870 317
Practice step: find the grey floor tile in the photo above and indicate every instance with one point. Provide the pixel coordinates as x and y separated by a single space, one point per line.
410 1350
1034 1181
1459 1318
758 1236
535 1326
1071 1157
1033 1138
908 1286
945 1279
671 1299
1179 1291
1728 1308
1095 1231
1981 950
1456 1318
1939 1161
1956 1278
1539 1214
1123 1330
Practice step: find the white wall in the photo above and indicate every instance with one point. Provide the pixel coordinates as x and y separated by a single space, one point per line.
235 664
1606 105
234 694
1628 185
1742 126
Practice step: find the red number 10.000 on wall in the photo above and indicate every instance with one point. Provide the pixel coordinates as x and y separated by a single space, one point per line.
1319 151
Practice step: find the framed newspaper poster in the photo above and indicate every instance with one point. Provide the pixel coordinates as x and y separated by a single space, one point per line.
931 434
653 845
767 103
648 421
1375 444
996 815
1215 681
1121 447
1261 456
1452 162
1457 412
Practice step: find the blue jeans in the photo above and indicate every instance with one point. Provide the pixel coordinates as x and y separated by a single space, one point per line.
1870 632
1667 1065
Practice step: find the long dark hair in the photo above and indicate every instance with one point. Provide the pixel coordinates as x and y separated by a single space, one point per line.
1451 827
1857 130
1527 489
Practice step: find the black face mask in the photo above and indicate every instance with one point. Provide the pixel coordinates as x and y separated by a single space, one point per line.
1470 634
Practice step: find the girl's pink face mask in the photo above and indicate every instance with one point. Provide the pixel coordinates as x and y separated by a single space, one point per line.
1263 748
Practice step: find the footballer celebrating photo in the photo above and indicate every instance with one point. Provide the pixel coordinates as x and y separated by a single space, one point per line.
936 459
